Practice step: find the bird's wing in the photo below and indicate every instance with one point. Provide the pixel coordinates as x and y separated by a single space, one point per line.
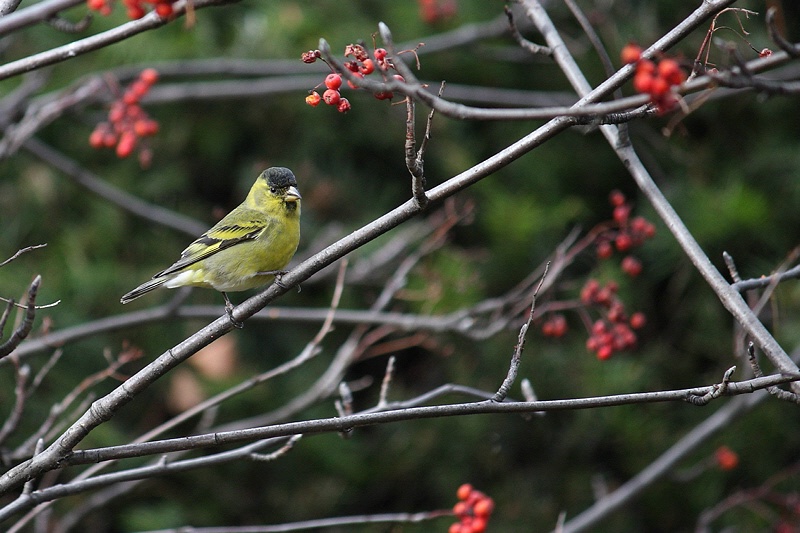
223 235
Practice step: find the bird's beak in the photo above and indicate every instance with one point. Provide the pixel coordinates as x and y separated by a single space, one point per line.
292 195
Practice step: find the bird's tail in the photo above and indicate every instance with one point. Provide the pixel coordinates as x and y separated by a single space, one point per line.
144 288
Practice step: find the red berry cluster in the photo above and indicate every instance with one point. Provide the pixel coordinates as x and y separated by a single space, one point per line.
655 79
127 121
135 8
473 510
613 332
555 326
628 233
361 65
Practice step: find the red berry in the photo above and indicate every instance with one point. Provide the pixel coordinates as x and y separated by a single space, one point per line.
592 343
484 507
344 105
130 97
313 99
134 111
599 327
603 297
589 291
367 67
604 352
604 250
670 71
164 9
726 458
384 95
135 12
631 266
478 525
766 52
455 528
623 242
333 81
380 53
145 127
96 139
659 87
616 312
110 139
331 97
643 82
621 214
665 103
127 143
139 88
631 53
638 320
464 491
460 509
149 76
616 198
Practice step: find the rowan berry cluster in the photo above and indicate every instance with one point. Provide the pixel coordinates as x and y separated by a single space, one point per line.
555 326
613 331
362 64
135 8
628 233
127 121
654 78
472 510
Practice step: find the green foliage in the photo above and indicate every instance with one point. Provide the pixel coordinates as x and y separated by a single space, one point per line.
731 170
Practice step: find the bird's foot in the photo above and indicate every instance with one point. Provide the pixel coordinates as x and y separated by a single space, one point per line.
278 275
229 307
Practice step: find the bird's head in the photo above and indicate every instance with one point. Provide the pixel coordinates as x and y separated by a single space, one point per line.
276 184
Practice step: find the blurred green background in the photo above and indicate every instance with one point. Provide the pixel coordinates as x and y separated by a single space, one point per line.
730 169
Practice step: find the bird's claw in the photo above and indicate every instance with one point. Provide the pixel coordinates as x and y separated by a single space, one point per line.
229 307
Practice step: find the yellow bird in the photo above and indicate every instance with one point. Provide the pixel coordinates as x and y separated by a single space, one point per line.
244 250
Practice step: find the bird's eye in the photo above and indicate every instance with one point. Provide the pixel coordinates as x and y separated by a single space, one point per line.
273 190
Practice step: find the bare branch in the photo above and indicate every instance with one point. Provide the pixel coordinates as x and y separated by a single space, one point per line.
34 14
22 251
513 368
62 53
339 424
26 325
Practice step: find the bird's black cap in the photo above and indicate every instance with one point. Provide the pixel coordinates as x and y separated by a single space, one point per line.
280 177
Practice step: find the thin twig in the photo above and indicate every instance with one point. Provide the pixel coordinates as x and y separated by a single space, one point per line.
12 422
22 251
525 44
791 49
513 368
26 325
757 372
387 381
